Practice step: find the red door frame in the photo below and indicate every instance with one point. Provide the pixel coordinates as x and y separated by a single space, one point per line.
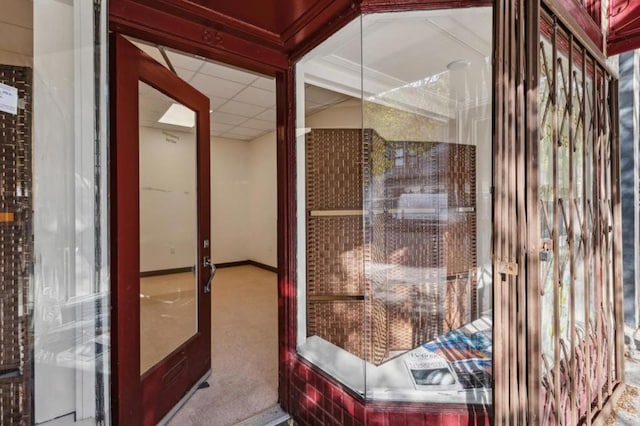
190 34
146 399
192 28
185 30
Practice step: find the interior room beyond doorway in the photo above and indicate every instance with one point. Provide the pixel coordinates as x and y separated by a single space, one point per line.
244 300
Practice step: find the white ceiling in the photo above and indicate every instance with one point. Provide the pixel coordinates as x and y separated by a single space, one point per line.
401 60
404 57
243 105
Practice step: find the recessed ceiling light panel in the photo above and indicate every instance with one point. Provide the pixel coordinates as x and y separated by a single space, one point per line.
178 115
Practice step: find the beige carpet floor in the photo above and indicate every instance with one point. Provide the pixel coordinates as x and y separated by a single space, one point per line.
244 350
167 315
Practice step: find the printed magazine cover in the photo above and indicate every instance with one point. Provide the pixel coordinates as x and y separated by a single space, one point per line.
460 359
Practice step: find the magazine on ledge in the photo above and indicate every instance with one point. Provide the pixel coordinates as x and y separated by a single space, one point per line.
430 371
459 359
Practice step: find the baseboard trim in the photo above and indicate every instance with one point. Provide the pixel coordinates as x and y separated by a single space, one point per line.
232 264
247 263
263 266
166 272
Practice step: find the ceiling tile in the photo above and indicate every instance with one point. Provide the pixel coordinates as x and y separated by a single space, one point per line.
268 115
240 108
213 86
153 104
227 73
311 105
265 83
150 92
234 136
255 96
243 131
185 74
217 102
219 127
259 124
179 60
225 118
147 115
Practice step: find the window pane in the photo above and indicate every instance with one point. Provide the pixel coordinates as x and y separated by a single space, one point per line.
427 149
168 292
394 205
331 290
70 283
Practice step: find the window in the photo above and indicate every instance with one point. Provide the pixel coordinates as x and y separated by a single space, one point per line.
394 206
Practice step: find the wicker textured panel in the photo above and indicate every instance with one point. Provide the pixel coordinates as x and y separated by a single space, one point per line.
456 302
334 169
459 177
339 321
401 263
460 243
335 256
12 391
15 248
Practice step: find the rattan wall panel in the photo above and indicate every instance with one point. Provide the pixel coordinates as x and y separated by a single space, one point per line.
339 321
415 272
336 256
15 249
334 167
12 391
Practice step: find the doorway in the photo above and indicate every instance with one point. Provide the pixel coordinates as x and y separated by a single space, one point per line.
242 241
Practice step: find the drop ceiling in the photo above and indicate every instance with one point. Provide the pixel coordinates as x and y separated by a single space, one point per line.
410 75
243 104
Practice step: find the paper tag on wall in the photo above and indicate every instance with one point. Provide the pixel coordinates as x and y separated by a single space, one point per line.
8 99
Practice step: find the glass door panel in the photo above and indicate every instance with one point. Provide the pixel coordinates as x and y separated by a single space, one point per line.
167 179
160 228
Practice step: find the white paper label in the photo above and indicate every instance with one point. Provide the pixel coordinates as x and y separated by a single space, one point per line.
8 99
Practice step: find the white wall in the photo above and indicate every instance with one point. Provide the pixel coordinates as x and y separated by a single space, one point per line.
243 200
229 200
167 199
262 245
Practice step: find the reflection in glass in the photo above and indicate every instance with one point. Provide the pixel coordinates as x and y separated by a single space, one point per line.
396 207
427 198
65 364
168 310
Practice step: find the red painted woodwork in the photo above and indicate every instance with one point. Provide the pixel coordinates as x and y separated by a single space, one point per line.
371 6
624 26
594 8
268 36
286 166
318 400
195 28
146 399
576 17
148 23
276 16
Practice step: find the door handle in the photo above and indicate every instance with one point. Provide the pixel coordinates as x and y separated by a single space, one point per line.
206 262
